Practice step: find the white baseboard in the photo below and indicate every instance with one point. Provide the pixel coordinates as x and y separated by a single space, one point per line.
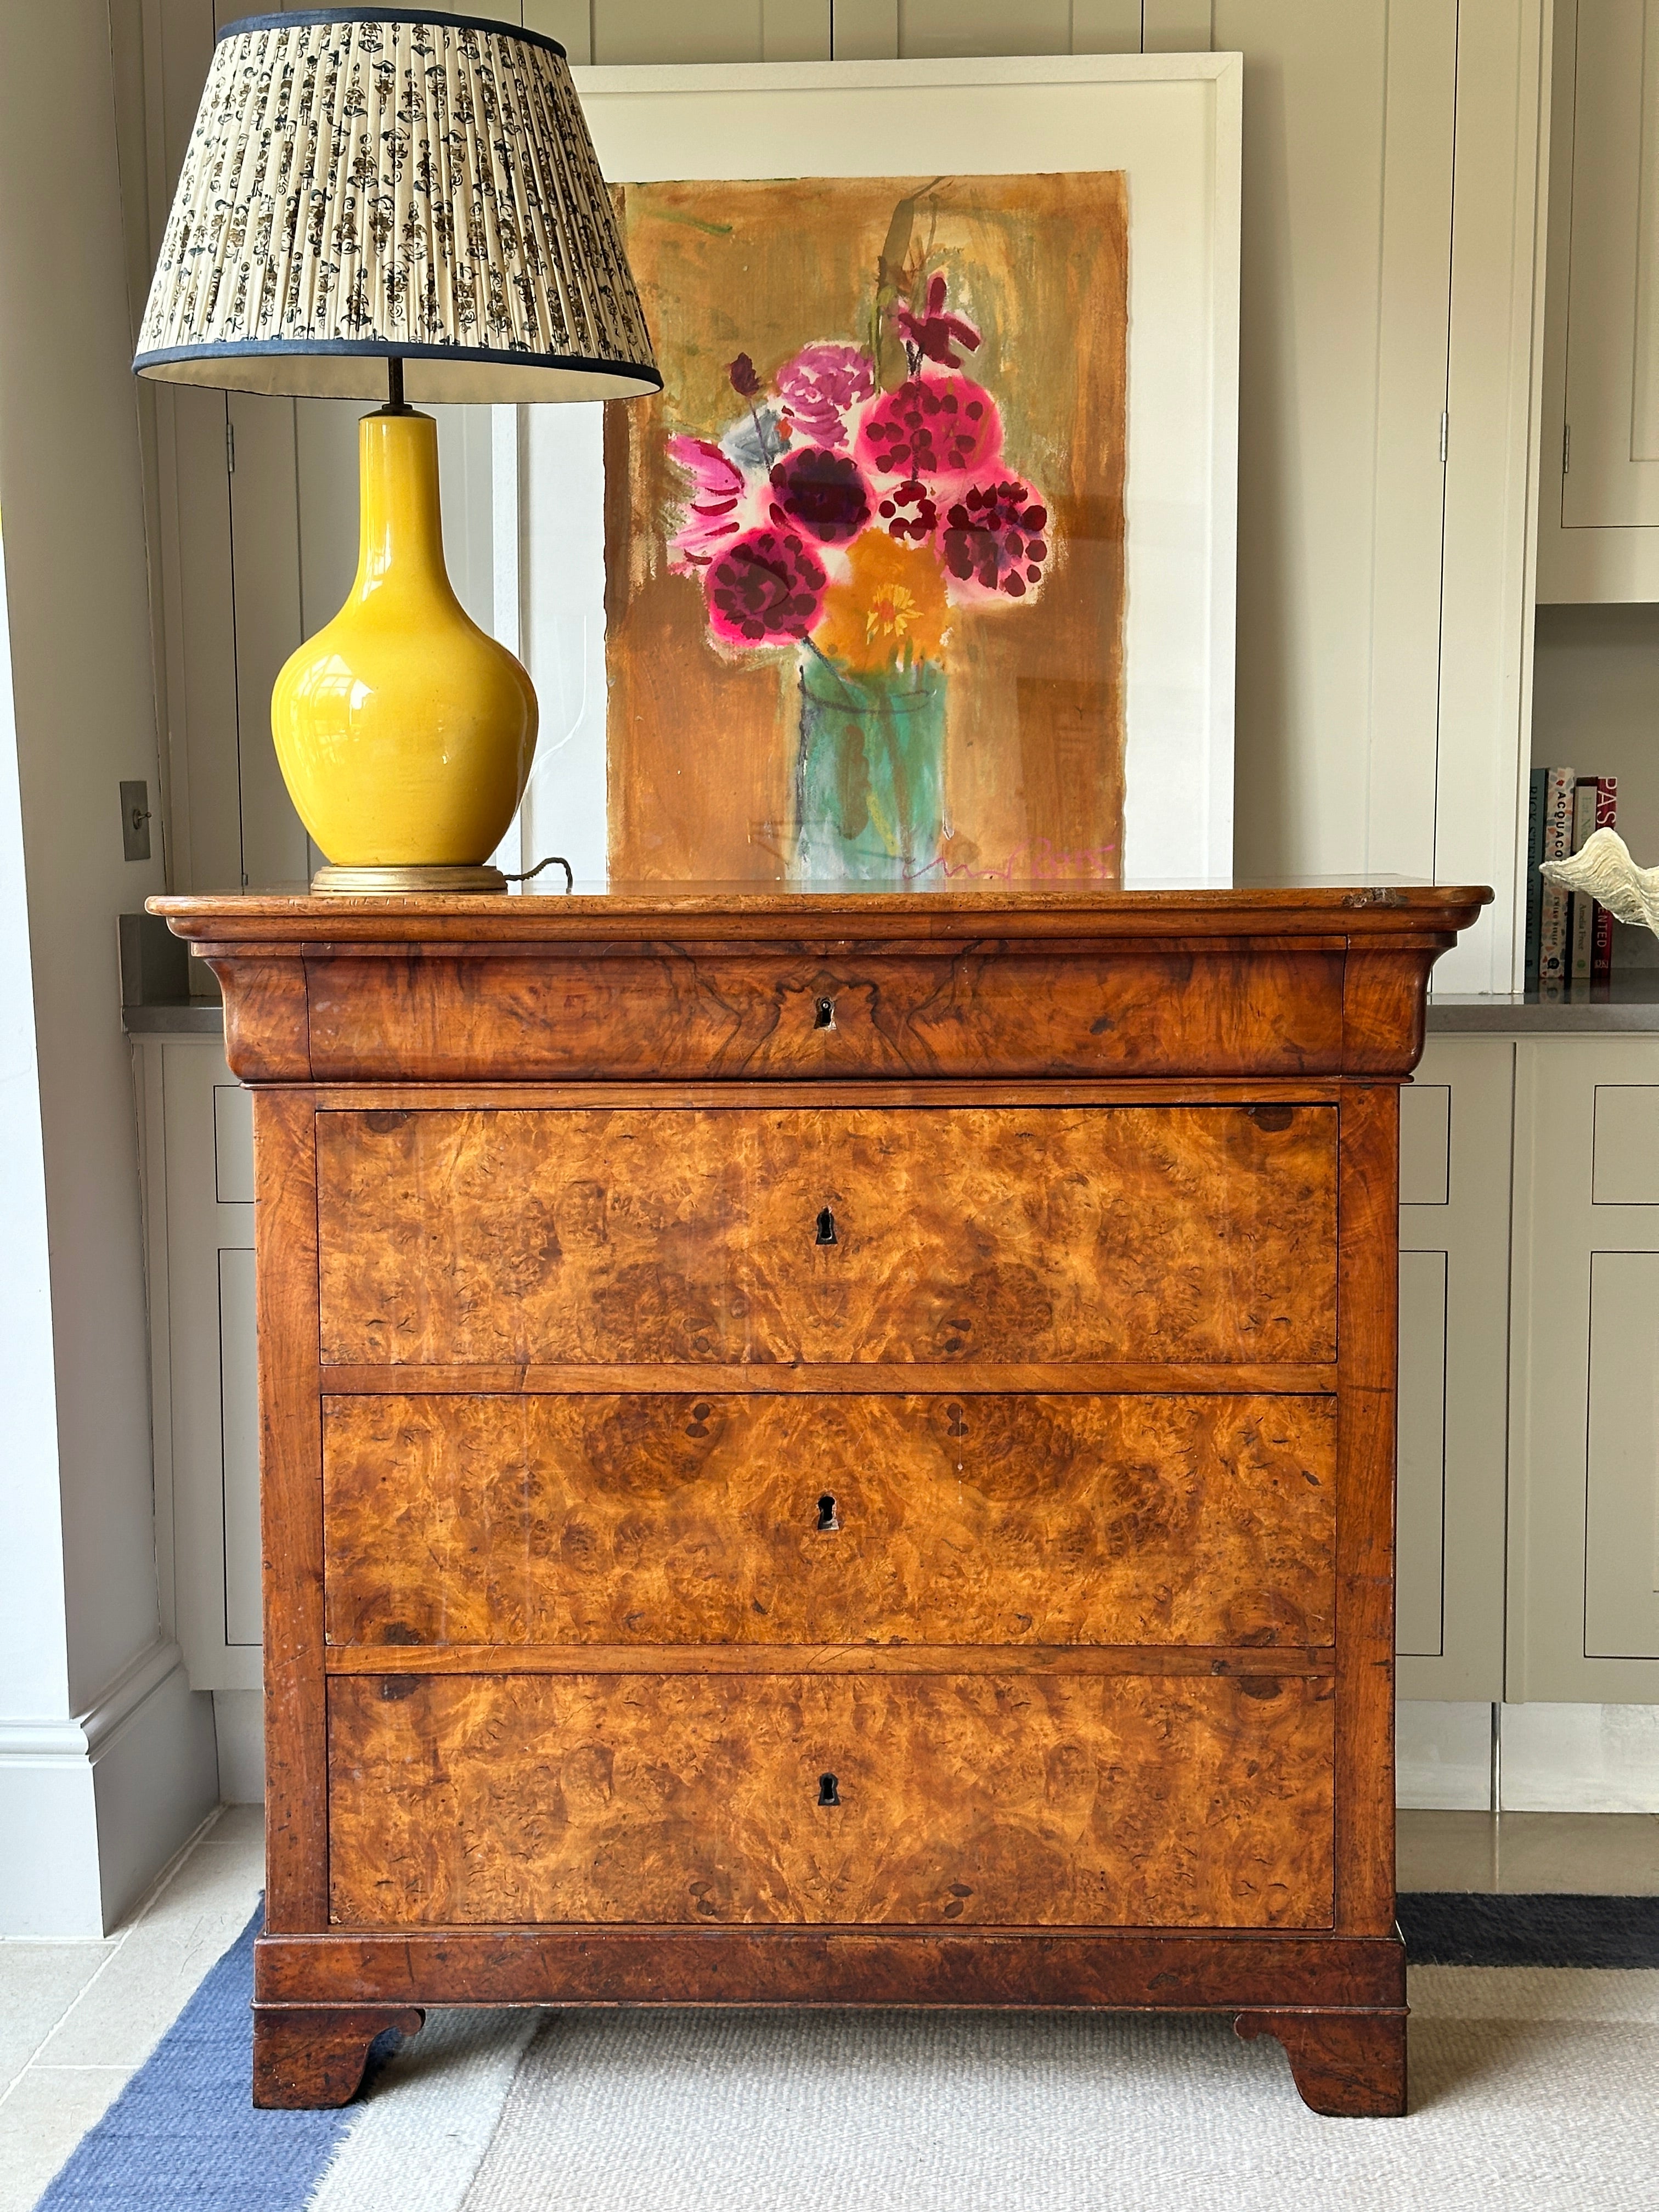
1580 1758
1551 1759
239 1720
1443 1756
92 1809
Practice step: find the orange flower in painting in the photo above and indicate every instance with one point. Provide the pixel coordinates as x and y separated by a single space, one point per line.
890 612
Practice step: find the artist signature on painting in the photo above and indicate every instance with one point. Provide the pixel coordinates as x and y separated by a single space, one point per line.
1041 860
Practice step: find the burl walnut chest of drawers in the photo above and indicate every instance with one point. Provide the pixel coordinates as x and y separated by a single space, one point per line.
828 1450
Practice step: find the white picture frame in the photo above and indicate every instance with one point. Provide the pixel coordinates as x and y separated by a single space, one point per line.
1172 123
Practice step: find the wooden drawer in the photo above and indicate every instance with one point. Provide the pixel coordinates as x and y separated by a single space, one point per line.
978 1519
1040 1799
989 1011
735 1236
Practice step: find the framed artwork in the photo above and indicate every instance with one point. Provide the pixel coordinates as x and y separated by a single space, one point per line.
919 572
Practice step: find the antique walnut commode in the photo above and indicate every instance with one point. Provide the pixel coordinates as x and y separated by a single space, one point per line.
829 1449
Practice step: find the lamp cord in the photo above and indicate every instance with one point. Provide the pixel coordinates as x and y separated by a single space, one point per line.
553 860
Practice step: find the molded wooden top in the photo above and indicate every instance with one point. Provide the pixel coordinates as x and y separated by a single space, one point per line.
1322 907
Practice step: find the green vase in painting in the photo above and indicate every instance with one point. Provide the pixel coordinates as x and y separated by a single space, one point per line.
869 774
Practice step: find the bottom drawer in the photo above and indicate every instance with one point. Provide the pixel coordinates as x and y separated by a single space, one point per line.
1051 1800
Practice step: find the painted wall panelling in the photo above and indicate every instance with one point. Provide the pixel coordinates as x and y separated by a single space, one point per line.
1454 1368
1584 1604
251 506
1600 533
1493 381
198 1163
1352 727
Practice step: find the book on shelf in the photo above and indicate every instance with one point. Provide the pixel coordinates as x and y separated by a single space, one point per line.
1535 784
1569 935
1581 924
1555 904
1606 818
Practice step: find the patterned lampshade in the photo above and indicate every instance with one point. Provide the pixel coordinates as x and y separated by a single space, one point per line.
363 185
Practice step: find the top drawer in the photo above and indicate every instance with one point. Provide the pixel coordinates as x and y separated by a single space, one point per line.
981 1011
998 1236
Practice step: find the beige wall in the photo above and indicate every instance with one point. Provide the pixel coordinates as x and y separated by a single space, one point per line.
81 704
69 491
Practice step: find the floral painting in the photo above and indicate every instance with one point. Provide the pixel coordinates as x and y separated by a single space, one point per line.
865 557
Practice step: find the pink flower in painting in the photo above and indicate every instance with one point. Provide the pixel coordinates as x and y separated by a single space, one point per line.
934 425
935 334
907 512
820 388
765 588
711 516
820 493
995 540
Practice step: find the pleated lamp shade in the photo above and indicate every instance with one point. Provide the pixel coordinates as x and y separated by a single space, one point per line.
365 184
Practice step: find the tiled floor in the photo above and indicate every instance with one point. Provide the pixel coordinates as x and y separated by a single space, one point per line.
76 2019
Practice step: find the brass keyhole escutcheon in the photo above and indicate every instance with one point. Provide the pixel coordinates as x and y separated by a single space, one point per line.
829 1792
826 1512
824 1018
826 1227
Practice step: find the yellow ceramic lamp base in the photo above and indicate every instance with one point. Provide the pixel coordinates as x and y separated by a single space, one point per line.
403 732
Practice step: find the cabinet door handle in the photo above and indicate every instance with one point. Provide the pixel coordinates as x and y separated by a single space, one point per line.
826 1227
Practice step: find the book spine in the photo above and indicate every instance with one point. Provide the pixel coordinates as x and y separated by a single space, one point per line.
1555 903
1606 818
1584 906
1536 783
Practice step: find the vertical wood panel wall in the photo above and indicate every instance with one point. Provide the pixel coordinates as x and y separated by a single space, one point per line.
1383 689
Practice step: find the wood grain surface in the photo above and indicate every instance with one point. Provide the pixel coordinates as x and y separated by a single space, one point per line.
1050 1520
915 1378
990 1012
724 913
310 2058
1369 1266
1157 1660
1062 1369
290 1510
1094 1801
710 1965
1195 1233
1347 2065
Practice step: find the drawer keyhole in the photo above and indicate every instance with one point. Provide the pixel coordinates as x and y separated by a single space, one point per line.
825 1016
826 1512
826 1227
828 1793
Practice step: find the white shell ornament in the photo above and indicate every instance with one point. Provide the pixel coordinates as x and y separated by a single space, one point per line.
1603 868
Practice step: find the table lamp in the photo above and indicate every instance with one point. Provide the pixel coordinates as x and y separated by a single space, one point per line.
388 200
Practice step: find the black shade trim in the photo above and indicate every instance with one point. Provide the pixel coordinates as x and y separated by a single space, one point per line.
434 15
1473 1928
387 350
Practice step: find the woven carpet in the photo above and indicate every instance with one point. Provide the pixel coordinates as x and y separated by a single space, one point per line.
1532 2086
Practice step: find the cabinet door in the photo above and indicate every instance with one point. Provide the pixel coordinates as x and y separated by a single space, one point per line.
1612 289
1599 474
1584 1505
198 1191
1454 1251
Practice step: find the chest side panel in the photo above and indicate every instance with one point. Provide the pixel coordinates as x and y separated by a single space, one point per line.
840 1235
734 1519
1055 1801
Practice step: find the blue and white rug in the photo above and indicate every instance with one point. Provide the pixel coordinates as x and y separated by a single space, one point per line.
1531 2084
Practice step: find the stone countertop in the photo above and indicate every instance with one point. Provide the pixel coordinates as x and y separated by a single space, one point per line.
1629 1003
